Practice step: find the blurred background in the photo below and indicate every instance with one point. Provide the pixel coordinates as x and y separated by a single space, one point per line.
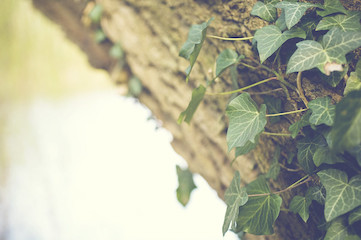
77 160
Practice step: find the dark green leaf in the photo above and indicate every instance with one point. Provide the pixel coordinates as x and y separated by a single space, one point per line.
301 206
324 154
245 121
116 51
274 105
338 230
96 13
328 55
322 111
317 193
191 48
249 146
265 11
341 195
348 22
294 11
346 132
99 36
275 167
135 86
331 7
290 157
356 152
297 126
186 185
259 213
235 197
270 38
197 97
307 147
354 216
226 59
354 81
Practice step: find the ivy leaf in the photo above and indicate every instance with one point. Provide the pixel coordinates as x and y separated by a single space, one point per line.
354 81
317 193
226 59
322 111
186 185
356 153
354 216
274 105
348 22
197 97
331 7
249 146
259 213
245 121
323 154
281 21
341 195
346 132
307 147
335 44
338 230
297 126
294 11
191 48
270 38
266 11
275 167
301 206
235 197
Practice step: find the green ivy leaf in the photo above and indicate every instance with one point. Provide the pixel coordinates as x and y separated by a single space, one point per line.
270 38
354 216
259 213
281 21
197 97
317 193
348 22
186 185
338 230
297 126
323 154
294 11
96 13
245 121
235 197
135 86
266 11
331 7
301 206
226 59
346 132
274 105
322 111
354 81
275 167
191 48
335 44
356 153
307 147
341 195
249 146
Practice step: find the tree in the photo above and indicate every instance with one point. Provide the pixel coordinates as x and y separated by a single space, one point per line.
151 33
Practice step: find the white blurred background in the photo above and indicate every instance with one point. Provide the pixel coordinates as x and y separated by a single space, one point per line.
78 161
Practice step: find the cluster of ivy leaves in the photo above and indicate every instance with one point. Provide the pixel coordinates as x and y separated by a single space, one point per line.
327 136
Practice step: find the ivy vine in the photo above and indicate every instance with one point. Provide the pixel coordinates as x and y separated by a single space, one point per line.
327 134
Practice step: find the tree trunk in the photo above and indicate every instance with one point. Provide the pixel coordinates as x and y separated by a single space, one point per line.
151 33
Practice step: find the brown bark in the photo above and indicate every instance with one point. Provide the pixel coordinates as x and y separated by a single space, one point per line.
151 33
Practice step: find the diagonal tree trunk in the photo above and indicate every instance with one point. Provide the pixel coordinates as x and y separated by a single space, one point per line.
151 33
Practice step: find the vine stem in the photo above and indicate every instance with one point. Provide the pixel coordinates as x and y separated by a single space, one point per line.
286 113
277 134
301 181
244 88
300 89
230 39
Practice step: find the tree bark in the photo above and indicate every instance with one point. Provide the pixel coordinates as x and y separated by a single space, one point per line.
151 33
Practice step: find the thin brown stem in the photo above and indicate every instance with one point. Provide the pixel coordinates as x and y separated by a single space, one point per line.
300 89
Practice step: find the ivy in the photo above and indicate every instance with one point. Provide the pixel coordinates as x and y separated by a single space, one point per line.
326 136
186 185
246 121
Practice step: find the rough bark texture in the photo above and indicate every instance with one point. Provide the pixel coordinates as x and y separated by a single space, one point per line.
151 33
